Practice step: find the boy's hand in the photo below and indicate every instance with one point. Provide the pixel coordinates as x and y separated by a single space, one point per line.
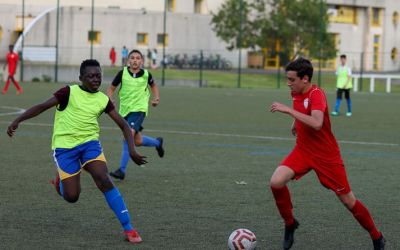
11 129
138 159
276 106
155 102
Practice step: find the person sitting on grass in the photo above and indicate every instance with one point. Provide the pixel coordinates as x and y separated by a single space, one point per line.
76 140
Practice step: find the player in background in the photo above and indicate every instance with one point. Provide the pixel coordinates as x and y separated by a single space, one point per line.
343 84
316 149
134 95
113 56
11 61
75 140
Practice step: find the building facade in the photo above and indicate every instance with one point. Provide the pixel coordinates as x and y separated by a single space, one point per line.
366 30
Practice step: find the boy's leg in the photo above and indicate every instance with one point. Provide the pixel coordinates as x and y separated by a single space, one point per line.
67 182
70 188
334 177
98 171
338 101
361 214
279 179
135 120
154 142
347 96
280 191
19 89
5 89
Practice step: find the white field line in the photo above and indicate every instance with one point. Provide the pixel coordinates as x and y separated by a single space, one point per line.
272 138
17 112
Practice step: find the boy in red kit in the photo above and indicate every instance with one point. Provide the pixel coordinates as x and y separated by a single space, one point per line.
12 60
113 56
316 149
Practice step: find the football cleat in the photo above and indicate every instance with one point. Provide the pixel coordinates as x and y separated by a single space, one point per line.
379 244
289 235
132 236
160 149
118 174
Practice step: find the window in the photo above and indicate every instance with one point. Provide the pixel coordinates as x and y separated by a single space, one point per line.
162 39
395 18
171 5
393 54
376 17
199 7
342 14
376 48
95 36
27 19
142 39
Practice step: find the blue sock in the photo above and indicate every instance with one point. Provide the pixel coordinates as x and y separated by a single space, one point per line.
125 157
149 141
61 189
117 204
337 105
349 105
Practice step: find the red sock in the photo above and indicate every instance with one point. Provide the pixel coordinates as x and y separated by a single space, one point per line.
362 215
284 204
17 85
6 86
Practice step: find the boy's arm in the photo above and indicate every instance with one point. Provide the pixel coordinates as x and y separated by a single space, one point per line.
293 129
155 93
110 91
315 120
123 125
31 112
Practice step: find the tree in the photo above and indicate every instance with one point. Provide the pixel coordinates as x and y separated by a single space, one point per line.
226 24
299 26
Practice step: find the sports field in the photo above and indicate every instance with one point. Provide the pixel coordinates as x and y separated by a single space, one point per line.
222 146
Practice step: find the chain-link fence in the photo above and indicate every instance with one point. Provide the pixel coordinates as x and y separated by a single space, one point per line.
188 52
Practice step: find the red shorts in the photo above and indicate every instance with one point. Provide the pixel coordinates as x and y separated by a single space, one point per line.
331 175
11 71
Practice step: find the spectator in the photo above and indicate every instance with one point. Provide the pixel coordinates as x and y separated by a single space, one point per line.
154 58
124 54
12 61
113 56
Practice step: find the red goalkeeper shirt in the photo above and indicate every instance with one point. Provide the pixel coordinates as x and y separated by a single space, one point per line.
320 144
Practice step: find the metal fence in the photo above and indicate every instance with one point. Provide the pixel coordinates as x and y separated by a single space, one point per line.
52 60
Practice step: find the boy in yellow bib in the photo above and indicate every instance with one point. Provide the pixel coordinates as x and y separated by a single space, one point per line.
135 85
343 85
76 140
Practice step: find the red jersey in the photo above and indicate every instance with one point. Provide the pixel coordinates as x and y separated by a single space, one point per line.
12 60
317 144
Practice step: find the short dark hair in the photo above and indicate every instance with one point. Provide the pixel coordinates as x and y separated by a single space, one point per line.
302 66
343 56
135 51
88 63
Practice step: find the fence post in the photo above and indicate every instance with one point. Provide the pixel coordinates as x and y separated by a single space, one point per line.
201 69
278 77
361 70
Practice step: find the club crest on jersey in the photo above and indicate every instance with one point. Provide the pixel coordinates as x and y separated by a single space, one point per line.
305 103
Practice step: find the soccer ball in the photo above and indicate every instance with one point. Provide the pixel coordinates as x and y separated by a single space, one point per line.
242 239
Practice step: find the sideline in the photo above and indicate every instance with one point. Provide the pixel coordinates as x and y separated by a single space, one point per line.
272 138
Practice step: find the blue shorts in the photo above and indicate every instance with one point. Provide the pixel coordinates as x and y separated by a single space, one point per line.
70 161
135 120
